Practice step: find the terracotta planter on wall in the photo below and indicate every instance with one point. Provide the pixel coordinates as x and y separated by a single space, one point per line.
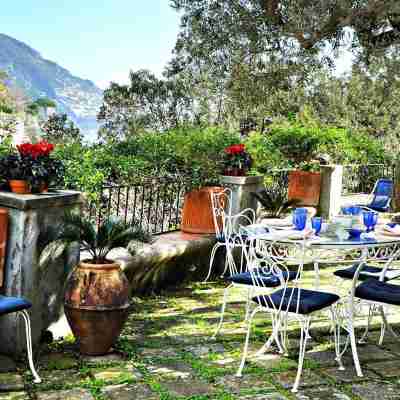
305 186
96 305
3 241
19 186
197 214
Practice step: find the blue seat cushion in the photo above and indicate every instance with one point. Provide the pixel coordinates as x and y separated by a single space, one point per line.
375 290
310 300
13 304
267 278
380 203
348 273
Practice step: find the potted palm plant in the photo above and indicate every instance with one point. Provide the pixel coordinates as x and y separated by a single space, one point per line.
97 290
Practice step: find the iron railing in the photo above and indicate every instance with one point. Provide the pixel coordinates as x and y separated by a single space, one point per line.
154 204
360 178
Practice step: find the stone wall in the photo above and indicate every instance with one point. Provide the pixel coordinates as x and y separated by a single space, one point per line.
30 273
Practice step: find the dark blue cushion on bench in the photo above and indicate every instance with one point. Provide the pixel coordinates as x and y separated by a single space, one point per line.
310 300
382 292
13 304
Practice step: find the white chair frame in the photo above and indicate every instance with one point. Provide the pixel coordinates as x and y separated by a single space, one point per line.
235 240
276 257
28 333
224 223
351 311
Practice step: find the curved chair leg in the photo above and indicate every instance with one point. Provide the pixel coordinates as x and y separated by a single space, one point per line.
225 267
248 303
317 277
246 343
212 256
354 344
385 325
28 334
221 320
363 338
305 325
336 334
273 337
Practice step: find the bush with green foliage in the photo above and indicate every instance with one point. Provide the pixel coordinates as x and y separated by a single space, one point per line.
192 152
292 144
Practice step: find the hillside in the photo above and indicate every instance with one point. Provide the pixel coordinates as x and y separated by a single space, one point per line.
38 77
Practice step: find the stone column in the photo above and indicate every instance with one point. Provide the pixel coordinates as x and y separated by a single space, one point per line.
241 187
331 190
36 275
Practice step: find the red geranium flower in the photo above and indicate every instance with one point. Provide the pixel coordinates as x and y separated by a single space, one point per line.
42 148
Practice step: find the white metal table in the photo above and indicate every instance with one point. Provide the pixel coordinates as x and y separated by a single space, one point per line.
381 248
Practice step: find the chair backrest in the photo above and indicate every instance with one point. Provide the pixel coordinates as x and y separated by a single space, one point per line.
282 261
221 203
383 191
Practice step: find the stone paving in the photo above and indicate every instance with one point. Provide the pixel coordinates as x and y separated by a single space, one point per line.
166 353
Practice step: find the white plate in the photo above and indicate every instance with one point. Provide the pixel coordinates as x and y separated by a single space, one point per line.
278 222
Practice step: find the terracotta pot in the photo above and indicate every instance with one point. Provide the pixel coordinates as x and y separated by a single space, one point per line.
305 186
19 186
3 241
96 305
197 215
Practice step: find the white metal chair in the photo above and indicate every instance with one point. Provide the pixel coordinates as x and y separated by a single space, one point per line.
225 226
379 269
238 277
378 294
20 306
288 300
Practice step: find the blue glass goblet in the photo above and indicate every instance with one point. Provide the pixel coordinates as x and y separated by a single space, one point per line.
370 219
316 223
299 220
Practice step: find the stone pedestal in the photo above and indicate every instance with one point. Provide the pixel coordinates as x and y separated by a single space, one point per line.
242 187
331 190
37 275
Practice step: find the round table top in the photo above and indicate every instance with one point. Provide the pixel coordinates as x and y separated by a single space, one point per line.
380 238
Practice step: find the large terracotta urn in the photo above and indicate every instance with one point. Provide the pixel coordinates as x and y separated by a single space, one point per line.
96 305
197 214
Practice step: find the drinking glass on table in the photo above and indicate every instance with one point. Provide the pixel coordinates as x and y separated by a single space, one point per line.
370 219
316 223
299 218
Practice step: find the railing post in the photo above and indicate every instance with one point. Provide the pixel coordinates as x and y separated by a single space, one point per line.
331 190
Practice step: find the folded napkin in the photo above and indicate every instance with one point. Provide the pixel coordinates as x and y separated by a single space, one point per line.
392 228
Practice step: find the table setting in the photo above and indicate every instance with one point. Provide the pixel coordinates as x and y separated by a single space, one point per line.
352 226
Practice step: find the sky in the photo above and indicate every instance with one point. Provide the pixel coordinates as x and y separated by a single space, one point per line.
100 40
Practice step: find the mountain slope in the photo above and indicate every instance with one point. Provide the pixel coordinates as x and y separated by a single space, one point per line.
38 77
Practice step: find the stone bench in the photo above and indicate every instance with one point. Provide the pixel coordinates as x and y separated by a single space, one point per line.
170 259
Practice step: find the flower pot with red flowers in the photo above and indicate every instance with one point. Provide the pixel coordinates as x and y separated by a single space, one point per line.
236 160
31 168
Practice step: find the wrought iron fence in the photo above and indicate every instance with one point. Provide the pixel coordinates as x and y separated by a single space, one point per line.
154 204
361 178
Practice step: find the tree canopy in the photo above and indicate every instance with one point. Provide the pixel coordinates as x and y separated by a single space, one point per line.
146 103
287 25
